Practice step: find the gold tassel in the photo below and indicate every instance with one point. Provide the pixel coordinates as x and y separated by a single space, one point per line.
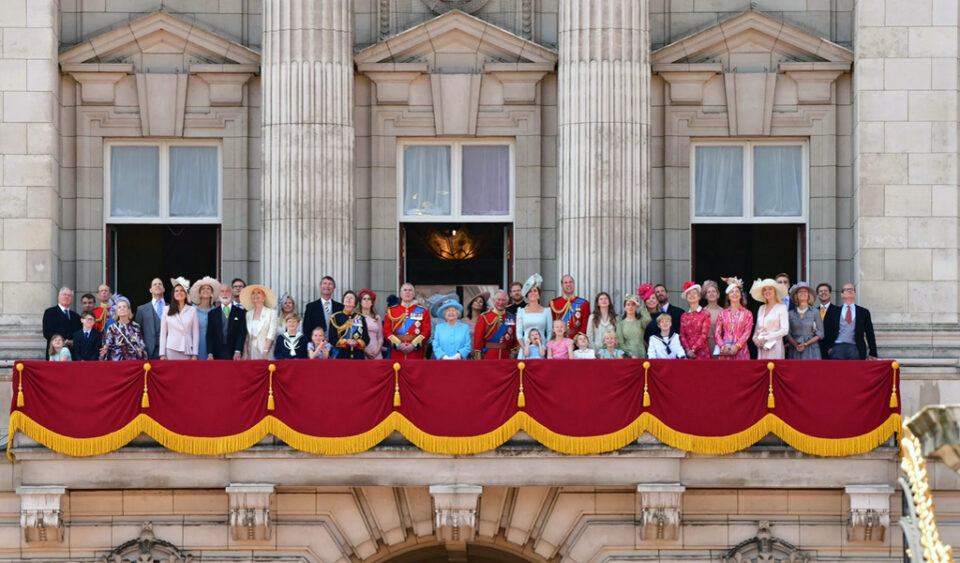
894 403
19 385
521 400
145 399
271 404
396 384
770 402
646 392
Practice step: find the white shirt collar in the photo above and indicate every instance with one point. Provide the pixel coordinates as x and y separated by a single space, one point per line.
62 308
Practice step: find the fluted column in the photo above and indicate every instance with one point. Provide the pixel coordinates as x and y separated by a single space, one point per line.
602 204
308 144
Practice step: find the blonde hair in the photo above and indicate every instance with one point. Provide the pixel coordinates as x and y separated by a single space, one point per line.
50 350
579 335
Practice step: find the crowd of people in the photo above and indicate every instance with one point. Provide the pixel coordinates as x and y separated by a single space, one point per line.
210 320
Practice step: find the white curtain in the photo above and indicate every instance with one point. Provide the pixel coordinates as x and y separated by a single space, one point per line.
486 180
777 181
719 181
193 182
134 181
426 180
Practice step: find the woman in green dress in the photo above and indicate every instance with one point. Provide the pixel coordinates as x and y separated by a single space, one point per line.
630 329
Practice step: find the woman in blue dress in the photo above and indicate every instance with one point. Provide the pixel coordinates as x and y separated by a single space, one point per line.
451 339
201 294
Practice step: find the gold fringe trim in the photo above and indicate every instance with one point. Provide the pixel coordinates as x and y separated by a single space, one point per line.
452 445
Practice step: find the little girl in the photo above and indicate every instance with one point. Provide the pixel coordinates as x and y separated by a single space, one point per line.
318 348
57 351
666 345
583 350
559 347
610 350
533 348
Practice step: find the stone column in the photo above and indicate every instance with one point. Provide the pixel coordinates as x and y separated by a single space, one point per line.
602 200
308 144
29 170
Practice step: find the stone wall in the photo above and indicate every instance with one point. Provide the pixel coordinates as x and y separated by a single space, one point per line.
905 82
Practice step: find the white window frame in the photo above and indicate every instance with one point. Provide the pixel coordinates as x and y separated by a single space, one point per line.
748 145
163 146
456 180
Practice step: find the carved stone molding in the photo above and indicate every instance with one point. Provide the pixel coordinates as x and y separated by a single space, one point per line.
750 102
869 512
455 511
146 548
687 80
98 81
765 548
250 510
40 515
814 80
660 510
442 6
163 101
226 88
456 101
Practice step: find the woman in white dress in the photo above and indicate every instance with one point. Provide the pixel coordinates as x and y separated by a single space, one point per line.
260 302
773 322
534 315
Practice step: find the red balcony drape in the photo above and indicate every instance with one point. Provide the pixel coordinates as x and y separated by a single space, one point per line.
462 407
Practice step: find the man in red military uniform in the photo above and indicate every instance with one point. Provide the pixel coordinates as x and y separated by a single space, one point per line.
406 326
495 336
572 310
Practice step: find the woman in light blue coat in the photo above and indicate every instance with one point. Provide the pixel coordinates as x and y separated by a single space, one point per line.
451 339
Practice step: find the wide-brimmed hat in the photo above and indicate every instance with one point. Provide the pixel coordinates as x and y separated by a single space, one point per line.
204 281
797 287
756 291
690 286
446 304
536 280
635 298
434 301
645 291
269 297
485 296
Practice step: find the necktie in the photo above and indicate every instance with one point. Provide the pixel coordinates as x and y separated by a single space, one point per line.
823 311
849 315
86 335
326 309
67 312
159 307
226 311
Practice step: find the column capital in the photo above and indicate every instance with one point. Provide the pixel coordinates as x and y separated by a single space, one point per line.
40 514
250 510
659 510
869 515
455 511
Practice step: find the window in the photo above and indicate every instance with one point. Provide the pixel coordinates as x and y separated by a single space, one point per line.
442 181
162 182
758 182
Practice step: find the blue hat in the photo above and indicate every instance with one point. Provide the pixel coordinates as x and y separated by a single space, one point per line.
437 299
392 300
447 304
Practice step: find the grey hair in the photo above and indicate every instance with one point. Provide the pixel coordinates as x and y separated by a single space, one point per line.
64 288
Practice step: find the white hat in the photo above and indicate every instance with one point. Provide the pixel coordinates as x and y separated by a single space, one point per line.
756 291
182 282
269 297
732 282
204 281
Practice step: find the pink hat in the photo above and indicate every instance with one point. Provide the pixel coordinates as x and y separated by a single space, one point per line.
645 291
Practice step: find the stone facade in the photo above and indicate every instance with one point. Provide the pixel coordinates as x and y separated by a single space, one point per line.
602 105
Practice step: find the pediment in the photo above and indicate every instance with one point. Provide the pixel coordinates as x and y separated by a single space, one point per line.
159 42
456 42
751 42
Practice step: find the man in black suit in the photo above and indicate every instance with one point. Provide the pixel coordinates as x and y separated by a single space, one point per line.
318 312
847 329
59 319
87 341
824 297
148 317
226 328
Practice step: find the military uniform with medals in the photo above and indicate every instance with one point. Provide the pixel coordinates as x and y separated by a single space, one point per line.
345 327
574 312
409 324
495 336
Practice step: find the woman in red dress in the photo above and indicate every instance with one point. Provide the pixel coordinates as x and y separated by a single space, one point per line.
695 324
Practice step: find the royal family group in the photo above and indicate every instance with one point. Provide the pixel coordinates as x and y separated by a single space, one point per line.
212 320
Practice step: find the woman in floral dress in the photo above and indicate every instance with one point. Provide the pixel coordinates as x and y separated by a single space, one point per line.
123 339
734 324
694 325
